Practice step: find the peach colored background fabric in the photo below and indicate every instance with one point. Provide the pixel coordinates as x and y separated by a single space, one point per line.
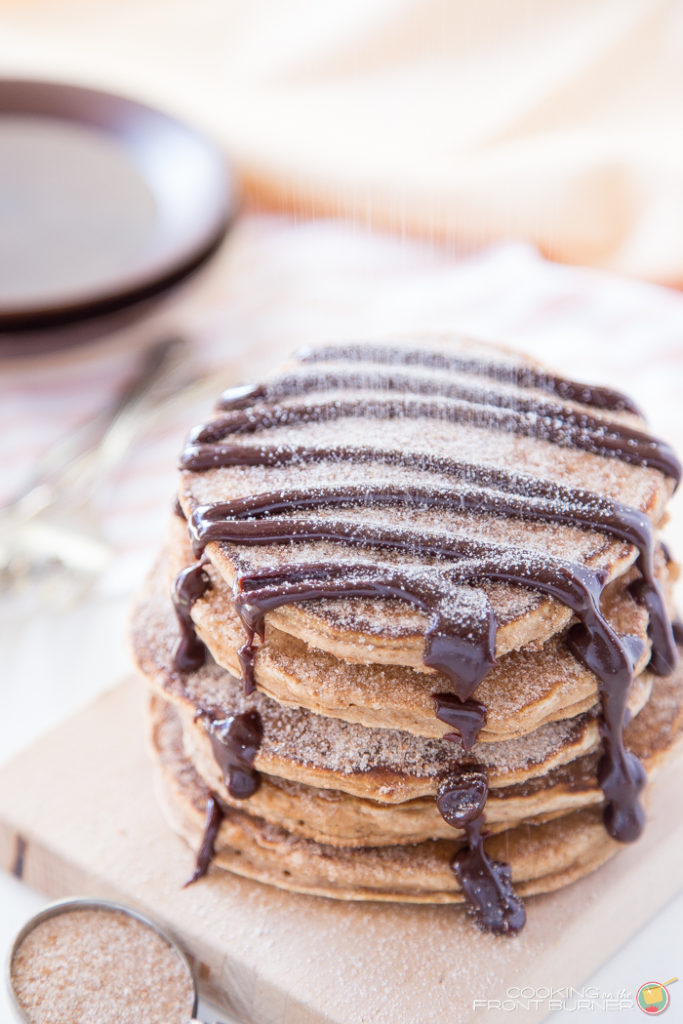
557 121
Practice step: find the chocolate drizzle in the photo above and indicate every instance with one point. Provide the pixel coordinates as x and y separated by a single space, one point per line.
188 587
620 773
486 883
466 717
246 655
503 373
551 423
344 380
460 637
235 742
488 408
677 630
213 818
664 658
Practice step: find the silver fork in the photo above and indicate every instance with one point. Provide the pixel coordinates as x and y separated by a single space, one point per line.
46 523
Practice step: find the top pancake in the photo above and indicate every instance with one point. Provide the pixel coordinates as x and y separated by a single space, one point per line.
349 419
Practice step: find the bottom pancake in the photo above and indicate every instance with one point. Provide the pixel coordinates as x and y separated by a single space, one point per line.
542 857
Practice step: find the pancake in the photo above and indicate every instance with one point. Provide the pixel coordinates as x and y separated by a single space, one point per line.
411 634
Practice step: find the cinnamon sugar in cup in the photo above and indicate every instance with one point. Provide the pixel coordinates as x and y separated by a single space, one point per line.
96 962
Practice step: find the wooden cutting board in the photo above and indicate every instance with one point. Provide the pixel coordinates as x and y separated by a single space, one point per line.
78 817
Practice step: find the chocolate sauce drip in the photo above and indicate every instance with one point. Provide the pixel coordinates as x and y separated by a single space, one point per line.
188 587
461 796
246 655
677 630
466 717
547 502
212 822
503 373
486 884
571 506
552 423
235 742
620 773
178 510
664 658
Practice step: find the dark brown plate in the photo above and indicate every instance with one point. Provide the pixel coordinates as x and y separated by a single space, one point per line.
103 202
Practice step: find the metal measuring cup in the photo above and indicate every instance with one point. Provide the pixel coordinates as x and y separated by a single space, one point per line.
66 906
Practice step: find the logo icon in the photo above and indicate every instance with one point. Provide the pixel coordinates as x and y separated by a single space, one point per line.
653 997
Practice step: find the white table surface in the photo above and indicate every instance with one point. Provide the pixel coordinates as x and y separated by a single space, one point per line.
301 283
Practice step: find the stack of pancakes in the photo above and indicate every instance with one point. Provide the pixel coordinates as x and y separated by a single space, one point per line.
411 595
